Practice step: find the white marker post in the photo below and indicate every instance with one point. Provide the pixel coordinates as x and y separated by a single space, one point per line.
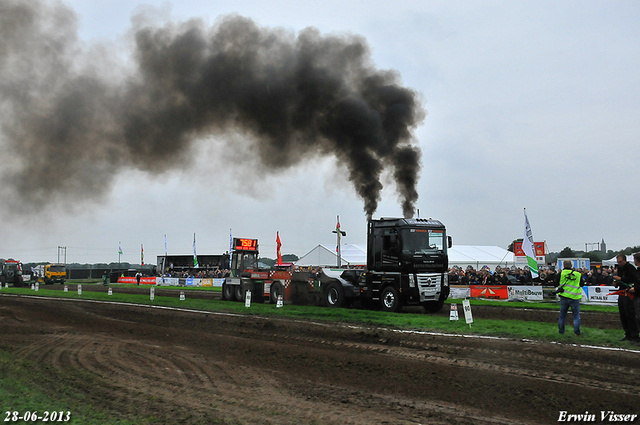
109 292
37 286
453 315
181 295
247 299
279 303
33 287
66 288
79 289
467 311
152 293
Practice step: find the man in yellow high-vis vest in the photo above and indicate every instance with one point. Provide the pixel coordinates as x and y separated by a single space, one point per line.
570 292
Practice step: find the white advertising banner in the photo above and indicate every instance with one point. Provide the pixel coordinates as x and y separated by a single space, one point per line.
191 281
167 281
527 293
600 294
460 293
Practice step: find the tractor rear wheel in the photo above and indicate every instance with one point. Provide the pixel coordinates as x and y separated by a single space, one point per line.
228 293
276 291
239 292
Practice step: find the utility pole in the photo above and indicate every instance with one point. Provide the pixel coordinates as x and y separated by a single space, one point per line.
62 253
339 233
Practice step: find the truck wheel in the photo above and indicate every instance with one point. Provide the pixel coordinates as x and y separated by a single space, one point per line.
276 290
227 292
239 293
334 295
433 306
390 300
18 281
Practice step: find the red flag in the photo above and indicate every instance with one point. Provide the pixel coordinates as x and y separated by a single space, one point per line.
141 255
624 292
279 245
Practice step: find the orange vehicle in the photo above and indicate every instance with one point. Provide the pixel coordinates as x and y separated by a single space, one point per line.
265 285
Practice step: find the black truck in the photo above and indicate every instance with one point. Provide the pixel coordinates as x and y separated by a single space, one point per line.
407 264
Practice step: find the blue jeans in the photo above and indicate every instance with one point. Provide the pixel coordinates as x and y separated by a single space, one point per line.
565 304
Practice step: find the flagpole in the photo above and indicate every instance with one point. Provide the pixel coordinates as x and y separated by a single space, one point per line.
529 248
119 256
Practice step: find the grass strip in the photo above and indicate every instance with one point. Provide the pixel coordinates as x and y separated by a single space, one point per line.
518 329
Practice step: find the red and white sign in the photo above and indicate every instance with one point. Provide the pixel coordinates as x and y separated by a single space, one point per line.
489 291
519 252
143 280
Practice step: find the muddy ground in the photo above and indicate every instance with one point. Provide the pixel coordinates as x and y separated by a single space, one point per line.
190 367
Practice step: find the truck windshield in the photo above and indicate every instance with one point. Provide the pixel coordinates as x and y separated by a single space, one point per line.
57 268
422 241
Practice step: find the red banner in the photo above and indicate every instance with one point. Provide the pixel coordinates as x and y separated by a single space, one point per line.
518 252
489 291
143 280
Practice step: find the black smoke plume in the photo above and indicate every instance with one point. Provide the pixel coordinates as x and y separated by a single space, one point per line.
69 121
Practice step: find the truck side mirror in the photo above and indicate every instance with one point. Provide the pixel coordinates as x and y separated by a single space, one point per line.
449 242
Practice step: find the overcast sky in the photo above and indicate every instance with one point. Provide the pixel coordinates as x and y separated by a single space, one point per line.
531 104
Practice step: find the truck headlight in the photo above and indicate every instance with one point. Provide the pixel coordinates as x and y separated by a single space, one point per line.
412 281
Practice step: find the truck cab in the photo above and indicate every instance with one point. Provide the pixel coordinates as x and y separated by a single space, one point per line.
407 263
54 273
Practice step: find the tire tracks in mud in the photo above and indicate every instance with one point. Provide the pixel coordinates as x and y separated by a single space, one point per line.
244 390
497 364
124 348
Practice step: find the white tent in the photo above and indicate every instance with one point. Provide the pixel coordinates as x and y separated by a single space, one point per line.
613 261
459 255
478 256
326 256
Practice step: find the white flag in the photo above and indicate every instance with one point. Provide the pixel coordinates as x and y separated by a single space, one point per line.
529 248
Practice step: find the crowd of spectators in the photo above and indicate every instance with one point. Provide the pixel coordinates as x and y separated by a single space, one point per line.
457 275
198 273
518 276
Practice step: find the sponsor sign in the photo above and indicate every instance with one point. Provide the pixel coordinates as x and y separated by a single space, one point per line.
466 306
528 293
453 315
600 294
519 252
459 293
191 281
167 281
132 280
489 291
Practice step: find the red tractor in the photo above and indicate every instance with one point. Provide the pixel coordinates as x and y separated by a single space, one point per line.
11 272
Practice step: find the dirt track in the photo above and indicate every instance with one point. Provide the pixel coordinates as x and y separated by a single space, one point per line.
184 367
